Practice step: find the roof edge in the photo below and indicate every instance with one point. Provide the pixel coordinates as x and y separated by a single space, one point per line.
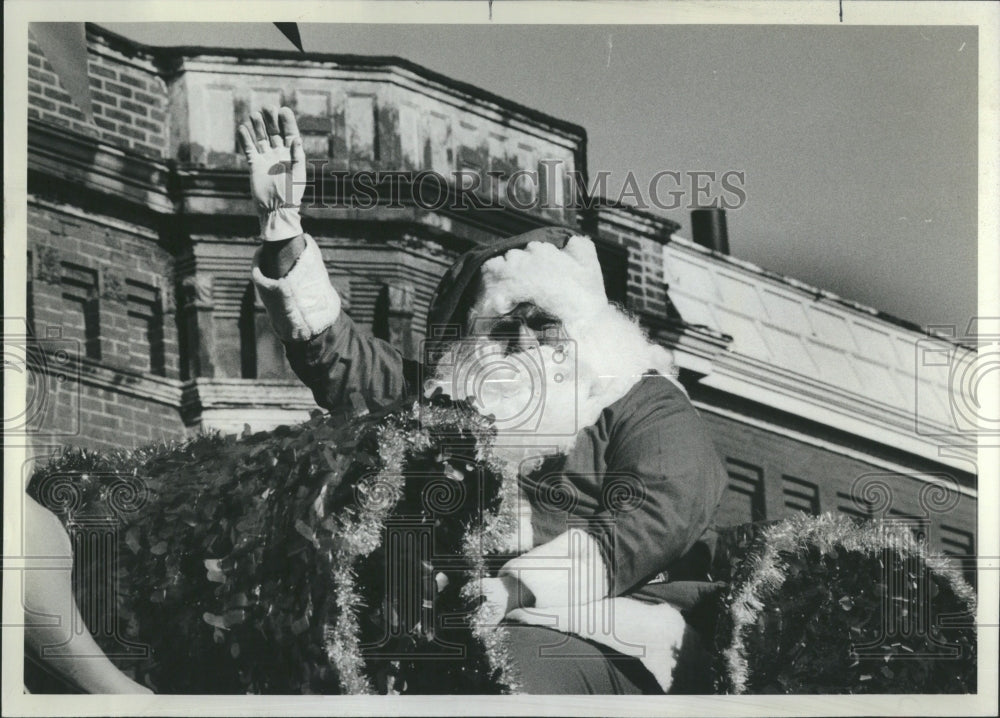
162 54
818 293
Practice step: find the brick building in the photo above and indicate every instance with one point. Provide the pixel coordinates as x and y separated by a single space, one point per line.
146 327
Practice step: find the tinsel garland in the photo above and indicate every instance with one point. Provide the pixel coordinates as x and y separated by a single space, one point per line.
362 533
255 563
829 604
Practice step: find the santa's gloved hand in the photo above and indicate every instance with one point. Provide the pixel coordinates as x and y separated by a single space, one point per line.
273 147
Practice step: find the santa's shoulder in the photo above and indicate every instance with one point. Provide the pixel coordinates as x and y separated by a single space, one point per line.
655 388
653 395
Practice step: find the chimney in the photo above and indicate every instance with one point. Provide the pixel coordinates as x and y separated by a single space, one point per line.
708 228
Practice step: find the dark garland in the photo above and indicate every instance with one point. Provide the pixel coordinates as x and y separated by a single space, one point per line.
257 564
829 604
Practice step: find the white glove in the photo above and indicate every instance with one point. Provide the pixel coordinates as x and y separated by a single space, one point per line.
277 171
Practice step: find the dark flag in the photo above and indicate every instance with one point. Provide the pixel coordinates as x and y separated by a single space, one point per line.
291 31
64 45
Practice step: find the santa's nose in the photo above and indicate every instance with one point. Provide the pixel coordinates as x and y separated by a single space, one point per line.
524 339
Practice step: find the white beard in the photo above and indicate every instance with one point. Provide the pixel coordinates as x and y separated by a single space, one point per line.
535 396
541 398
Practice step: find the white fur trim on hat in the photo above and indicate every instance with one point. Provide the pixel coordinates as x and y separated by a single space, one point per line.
303 303
566 282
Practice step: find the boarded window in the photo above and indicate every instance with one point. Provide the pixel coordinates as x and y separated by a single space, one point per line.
956 542
262 354
744 498
800 495
82 317
852 506
145 324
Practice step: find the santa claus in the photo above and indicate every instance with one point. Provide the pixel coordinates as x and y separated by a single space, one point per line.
619 479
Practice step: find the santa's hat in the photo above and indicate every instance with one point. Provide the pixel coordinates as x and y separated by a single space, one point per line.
456 292
566 282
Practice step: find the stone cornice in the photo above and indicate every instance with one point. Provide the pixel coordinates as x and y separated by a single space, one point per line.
69 157
257 393
696 349
846 411
221 403
55 361
71 366
212 195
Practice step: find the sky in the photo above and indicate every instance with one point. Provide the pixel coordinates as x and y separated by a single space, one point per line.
858 144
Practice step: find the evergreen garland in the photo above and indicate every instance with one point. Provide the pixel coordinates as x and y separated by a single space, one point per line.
257 564
828 604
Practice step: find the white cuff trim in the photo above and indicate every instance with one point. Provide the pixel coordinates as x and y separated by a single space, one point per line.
303 303
568 570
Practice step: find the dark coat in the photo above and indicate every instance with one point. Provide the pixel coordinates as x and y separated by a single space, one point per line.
645 479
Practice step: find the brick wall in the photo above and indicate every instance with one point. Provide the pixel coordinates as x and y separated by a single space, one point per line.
772 476
88 291
129 99
95 275
80 414
643 238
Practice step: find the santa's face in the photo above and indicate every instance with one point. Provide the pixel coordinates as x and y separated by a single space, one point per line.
521 368
545 353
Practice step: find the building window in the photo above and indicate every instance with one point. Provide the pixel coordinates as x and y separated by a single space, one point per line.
82 315
956 542
800 495
850 505
744 498
145 319
262 355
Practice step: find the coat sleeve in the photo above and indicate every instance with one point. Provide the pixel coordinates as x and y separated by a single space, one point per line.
663 483
346 369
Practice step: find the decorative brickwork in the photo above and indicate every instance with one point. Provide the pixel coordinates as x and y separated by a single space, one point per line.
114 255
760 462
128 95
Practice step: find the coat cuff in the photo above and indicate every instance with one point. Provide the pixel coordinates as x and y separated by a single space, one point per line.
303 303
568 570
